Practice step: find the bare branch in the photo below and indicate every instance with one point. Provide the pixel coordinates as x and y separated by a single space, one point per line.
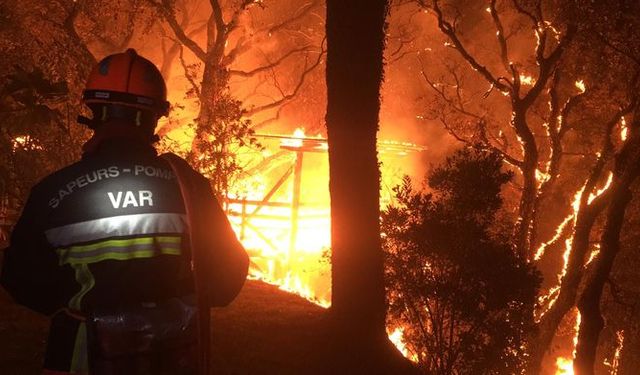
216 35
547 64
272 119
449 30
245 44
187 74
287 97
166 10
270 65
457 106
504 154
629 55
303 11
534 20
504 53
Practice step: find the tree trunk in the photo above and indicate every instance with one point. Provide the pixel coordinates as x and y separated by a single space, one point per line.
355 41
592 322
629 359
529 182
568 286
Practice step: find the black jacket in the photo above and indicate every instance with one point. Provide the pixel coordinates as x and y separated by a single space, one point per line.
111 232
108 230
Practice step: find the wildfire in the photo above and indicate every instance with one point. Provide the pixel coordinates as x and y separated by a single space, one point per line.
551 296
397 338
580 85
24 142
564 365
624 130
615 361
541 176
283 216
593 254
527 80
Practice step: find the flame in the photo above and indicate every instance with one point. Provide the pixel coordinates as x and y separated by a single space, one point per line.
614 364
559 231
594 254
580 85
624 130
564 365
24 142
397 338
527 80
282 212
541 176
552 295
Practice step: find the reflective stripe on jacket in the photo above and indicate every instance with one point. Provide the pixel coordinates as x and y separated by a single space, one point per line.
107 231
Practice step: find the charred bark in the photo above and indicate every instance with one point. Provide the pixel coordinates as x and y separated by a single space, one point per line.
625 173
586 217
568 287
592 322
530 184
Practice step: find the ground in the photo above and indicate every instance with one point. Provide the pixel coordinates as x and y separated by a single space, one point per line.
264 331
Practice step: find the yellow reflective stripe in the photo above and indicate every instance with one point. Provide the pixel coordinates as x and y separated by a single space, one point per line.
121 256
84 277
121 249
126 242
80 359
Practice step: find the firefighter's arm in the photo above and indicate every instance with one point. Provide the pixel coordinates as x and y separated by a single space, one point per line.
30 271
221 259
231 261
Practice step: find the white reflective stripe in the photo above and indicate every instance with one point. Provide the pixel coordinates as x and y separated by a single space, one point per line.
116 226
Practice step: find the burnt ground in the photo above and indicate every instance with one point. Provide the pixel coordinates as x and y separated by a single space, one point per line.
264 331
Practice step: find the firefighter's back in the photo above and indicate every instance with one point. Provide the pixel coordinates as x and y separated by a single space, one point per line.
116 223
117 219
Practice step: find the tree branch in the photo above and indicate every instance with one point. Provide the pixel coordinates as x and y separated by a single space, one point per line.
287 97
270 65
166 10
449 30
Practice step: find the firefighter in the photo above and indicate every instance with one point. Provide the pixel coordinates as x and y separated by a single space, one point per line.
103 245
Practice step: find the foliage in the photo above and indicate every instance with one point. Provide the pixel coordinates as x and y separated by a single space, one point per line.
462 295
35 137
219 142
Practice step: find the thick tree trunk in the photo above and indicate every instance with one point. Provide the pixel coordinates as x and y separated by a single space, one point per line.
629 359
529 182
355 42
626 172
355 32
592 321
568 286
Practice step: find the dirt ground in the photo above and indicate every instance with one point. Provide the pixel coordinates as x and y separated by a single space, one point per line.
264 331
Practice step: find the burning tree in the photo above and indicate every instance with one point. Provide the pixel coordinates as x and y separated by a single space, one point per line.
446 268
221 123
559 124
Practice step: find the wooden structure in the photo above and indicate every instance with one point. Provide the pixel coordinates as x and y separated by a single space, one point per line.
300 146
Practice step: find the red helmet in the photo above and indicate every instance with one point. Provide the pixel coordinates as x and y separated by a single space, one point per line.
127 79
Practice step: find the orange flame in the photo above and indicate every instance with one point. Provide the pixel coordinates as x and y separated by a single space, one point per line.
564 365
552 295
624 130
397 338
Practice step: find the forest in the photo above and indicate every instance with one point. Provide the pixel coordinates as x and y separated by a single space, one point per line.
457 177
